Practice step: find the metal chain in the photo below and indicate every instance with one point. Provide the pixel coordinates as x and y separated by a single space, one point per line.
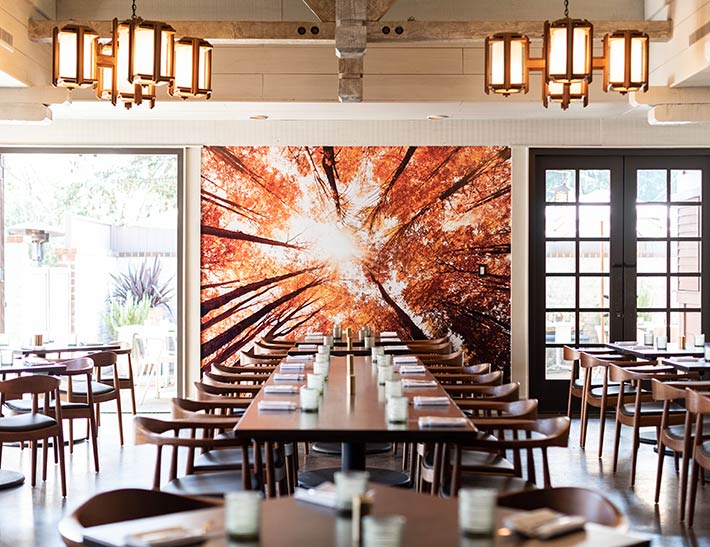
566 8
133 7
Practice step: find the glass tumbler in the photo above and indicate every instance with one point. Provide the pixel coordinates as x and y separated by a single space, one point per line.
477 511
242 515
349 484
309 399
383 531
398 410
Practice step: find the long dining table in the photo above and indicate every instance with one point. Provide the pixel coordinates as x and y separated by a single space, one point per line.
353 419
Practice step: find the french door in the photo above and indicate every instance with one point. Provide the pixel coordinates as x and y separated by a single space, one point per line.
615 252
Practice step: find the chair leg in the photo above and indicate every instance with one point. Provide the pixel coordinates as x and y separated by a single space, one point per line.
33 447
693 491
59 442
119 413
684 481
659 469
45 454
602 424
634 456
0 453
133 385
617 437
91 428
584 416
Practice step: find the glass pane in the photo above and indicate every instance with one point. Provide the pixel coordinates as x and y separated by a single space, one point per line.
651 185
685 221
650 322
686 323
594 328
685 256
685 292
556 368
594 185
559 257
651 256
594 256
650 292
560 221
651 220
594 221
686 184
559 328
594 292
559 292
560 186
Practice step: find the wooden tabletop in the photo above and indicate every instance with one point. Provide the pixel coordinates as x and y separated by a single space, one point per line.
650 352
287 522
360 418
20 367
688 364
67 348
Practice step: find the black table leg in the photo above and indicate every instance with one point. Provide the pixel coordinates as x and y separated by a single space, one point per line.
353 456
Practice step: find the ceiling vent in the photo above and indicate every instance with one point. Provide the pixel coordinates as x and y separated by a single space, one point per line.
6 40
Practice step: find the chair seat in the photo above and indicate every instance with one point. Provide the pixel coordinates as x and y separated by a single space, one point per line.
79 388
230 459
612 390
26 422
677 432
484 462
653 408
205 484
25 405
705 449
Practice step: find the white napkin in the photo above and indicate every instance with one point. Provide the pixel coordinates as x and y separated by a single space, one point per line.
292 367
34 361
323 494
277 405
394 348
442 421
390 340
299 358
418 383
286 377
412 369
404 359
431 401
387 333
281 389
307 347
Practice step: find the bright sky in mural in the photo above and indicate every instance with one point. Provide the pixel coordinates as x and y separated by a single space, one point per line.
295 238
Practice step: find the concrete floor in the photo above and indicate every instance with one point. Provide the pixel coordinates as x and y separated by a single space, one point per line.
28 517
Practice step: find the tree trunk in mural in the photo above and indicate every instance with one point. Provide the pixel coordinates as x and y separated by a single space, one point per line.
297 238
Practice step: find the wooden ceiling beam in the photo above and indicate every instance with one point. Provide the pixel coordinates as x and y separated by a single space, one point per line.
350 46
295 32
323 9
376 9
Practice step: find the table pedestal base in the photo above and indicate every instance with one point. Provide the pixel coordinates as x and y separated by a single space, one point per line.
10 479
335 449
311 479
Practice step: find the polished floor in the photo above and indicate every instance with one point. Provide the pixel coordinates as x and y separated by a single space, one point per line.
28 517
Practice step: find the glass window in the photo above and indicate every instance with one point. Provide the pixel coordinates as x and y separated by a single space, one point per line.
651 185
560 186
594 185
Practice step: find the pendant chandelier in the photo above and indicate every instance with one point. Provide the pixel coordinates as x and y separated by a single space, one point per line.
567 61
139 57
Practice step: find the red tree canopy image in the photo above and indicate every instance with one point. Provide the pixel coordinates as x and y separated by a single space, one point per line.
298 238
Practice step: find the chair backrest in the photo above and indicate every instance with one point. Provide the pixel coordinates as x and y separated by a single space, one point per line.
249 357
217 407
454 359
505 392
697 402
121 505
524 409
585 502
255 379
252 369
225 390
79 366
103 358
489 379
36 386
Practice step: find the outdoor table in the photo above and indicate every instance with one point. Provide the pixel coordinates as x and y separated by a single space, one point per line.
651 352
689 364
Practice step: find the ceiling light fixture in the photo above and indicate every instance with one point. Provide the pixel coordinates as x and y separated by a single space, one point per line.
437 117
140 56
567 61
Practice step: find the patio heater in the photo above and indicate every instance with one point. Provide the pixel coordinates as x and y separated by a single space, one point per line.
38 234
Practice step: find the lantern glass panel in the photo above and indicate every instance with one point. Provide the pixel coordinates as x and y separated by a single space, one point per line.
143 52
67 44
517 62
617 59
125 87
639 64
204 70
497 62
183 65
580 50
557 62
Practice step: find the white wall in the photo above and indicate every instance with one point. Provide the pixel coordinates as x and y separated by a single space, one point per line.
520 134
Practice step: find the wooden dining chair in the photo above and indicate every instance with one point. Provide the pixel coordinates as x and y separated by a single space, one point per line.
126 380
481 368
462 394
239 369
569 500
698 404
125 504
643 411
36 425
101 392
576 381
489 379
454 359
221 389
232 378
674 437
248 357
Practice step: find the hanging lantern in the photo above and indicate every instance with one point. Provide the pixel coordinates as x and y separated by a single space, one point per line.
148 50
626 66
506 60
74 56
107 86
567 46
193 68
565 94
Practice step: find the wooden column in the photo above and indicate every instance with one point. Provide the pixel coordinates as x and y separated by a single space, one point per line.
350 46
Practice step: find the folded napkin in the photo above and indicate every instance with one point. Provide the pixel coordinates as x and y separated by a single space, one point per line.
412 369
307 347
323 494
286 377
299 358
292 367
280 389
442 421
626 343
314 334
277 405
402 359
686 359
390 340
395 348
36 361
431 401
387 333
418 383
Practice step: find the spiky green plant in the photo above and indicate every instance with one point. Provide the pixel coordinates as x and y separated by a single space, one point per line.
143 282
127 312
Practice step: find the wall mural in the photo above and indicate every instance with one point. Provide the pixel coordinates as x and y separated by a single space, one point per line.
296 238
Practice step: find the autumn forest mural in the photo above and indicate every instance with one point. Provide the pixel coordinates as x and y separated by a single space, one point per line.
295 238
